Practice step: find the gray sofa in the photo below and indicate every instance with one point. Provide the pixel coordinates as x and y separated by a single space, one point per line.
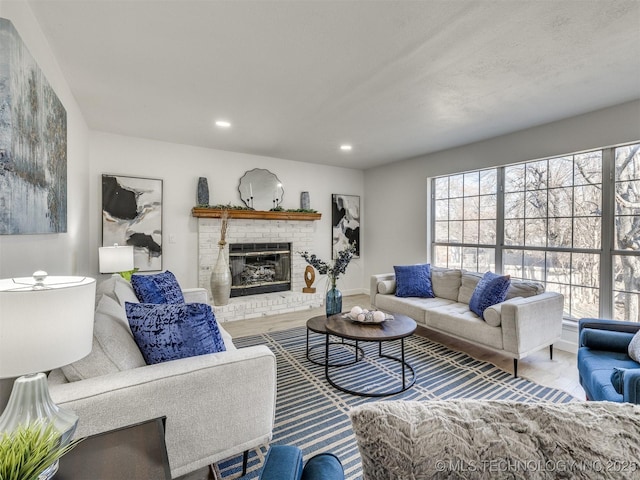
528 320
217 405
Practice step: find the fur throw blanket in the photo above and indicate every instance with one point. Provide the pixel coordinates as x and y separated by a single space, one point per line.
467 439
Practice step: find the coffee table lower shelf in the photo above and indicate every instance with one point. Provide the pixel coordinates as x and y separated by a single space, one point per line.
318 325
387 393
399 328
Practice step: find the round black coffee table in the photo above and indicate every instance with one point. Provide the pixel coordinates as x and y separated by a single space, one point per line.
318 325
399 328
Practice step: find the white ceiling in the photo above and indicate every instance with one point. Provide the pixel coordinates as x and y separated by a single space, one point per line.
396 79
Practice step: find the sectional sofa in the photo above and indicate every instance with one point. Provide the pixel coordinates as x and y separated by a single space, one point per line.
528 320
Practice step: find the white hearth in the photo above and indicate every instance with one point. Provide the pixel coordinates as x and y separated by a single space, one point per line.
299 233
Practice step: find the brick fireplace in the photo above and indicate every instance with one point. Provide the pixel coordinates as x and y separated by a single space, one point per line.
258 267
298 233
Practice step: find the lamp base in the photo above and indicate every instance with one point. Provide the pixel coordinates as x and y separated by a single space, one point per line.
50 471
30 401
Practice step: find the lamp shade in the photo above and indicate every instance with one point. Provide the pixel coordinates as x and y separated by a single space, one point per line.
45 323
115 259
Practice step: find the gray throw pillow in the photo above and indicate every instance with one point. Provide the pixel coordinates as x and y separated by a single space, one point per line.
114 348
446 282
96 364
634 347
524 288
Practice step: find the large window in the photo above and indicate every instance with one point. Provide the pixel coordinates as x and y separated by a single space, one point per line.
559 221
626 245
465 220
553 215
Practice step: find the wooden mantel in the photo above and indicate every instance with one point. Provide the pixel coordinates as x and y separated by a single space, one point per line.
254 214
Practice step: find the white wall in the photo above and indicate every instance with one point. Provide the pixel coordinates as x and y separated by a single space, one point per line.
395 220
394 217
180 166
64 253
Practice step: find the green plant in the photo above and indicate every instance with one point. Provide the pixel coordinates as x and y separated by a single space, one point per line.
127 274
29 450
302 210
228 206
222 206
332 270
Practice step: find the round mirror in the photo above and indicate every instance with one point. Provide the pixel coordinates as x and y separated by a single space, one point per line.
260 189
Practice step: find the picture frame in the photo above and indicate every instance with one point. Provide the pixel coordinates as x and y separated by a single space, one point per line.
345 223
33 143
132 215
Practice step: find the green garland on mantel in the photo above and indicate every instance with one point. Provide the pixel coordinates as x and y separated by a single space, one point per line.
239 207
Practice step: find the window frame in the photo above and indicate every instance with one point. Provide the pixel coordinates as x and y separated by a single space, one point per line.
606 251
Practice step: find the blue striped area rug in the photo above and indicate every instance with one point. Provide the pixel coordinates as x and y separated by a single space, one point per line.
313 415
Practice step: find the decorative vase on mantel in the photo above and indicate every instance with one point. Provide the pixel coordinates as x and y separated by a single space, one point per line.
333 302
202 195
221 278
305 202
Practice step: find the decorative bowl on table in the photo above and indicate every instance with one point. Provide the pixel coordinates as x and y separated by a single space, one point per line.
361 315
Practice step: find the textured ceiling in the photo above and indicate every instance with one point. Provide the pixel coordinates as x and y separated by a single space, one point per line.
396 79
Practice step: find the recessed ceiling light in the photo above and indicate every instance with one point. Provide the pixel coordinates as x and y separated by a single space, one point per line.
345 148
222 124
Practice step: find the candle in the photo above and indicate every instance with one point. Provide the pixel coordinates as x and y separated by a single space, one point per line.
250 190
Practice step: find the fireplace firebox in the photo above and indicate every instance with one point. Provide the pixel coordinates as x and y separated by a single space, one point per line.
259 268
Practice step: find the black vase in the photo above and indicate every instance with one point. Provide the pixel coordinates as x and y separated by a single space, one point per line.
203 191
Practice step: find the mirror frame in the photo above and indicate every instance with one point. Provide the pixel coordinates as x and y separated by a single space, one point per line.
260 189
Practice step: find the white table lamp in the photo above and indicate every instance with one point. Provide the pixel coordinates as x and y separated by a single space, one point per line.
115 259
45 323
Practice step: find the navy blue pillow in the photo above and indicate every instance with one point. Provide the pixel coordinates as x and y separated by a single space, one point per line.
146 289
170 331
414 281
491 289
159 288
617 379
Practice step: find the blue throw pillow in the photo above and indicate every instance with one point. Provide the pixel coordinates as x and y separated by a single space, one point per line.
617 379
170 331
159 288
414 281
491 289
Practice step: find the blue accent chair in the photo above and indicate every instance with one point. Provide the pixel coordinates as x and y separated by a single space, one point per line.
284 462
603 345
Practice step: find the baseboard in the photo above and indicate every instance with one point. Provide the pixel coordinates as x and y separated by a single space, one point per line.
566 346
354 291
569 340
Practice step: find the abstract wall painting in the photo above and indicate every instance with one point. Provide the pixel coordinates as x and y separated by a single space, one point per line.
132 215
33 144
345 219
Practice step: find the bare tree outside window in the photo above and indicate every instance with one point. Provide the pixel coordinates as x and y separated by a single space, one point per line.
464 227
627 234
554 226
552 208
